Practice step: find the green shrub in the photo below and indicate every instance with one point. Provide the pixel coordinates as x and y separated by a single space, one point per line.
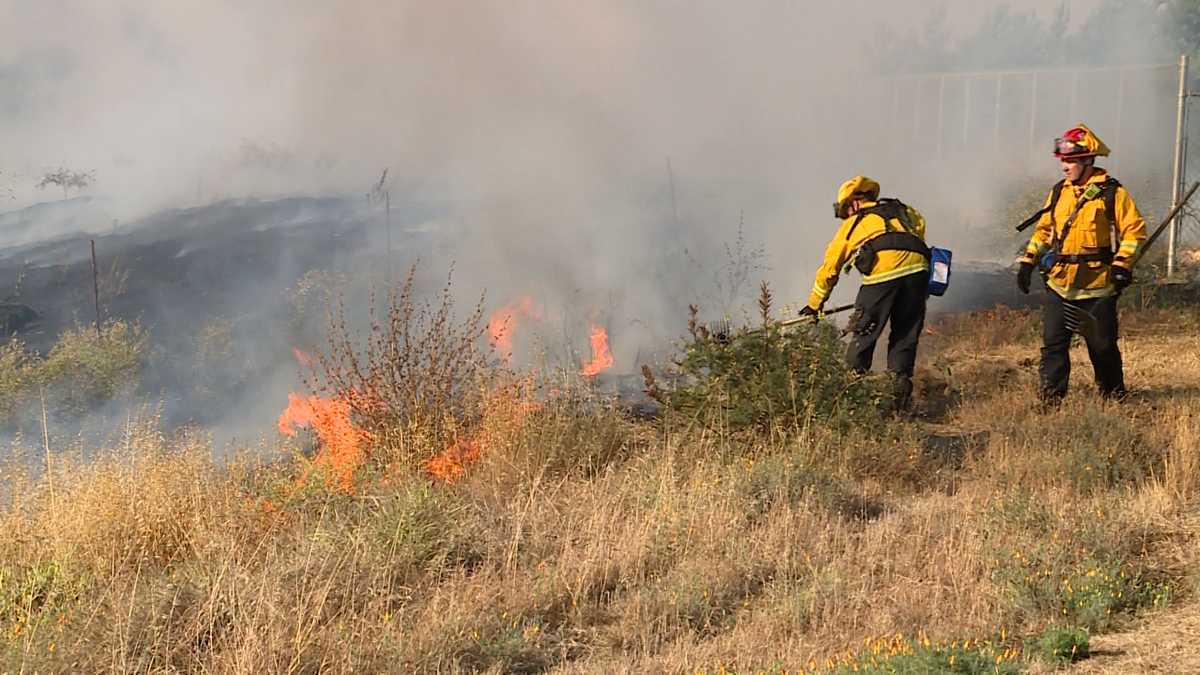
1081 578
508 647
311 296
900 655
1099 591
1059 645
18 372
33 596
219 368
421 525
772 377
84 369
936 660
1097 448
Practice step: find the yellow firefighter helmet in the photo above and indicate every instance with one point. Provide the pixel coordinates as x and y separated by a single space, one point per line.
859 185
1079 141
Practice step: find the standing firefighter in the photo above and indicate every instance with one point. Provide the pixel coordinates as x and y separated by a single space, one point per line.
885 239
1088 234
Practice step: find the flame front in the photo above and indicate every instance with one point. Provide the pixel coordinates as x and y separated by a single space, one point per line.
342 443
506 408
504 321
452 464
602 358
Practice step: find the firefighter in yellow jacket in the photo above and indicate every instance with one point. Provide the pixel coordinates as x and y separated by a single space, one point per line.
1088 234
885 241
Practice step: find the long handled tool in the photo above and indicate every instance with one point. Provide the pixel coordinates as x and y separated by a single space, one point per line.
723 330
813 319
1166 221
1083 322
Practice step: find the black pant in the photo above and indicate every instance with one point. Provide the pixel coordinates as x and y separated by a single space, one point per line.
1100 333
900 301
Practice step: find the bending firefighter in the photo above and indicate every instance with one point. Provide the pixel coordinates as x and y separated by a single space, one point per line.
1088 235
885 239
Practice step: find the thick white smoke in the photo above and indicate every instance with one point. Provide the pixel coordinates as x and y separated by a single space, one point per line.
542 131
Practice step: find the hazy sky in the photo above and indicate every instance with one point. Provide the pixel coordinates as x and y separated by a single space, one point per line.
169 100
544 128
968 14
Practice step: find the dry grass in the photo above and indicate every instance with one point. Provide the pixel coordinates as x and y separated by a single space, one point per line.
582 542
1164 644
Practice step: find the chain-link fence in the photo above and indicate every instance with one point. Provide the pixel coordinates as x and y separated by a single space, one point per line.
1016 114
964 119
1189 234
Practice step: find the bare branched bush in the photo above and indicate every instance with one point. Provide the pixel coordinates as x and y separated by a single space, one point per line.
727 281
413 382
311 295
66 179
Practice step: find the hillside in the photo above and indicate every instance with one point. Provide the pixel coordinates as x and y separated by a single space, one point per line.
554 534
225 276
226 290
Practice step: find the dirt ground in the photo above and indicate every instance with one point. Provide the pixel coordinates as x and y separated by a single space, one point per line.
1164 643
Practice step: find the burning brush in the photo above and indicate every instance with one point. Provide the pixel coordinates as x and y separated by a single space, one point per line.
602 358
502 324
342 443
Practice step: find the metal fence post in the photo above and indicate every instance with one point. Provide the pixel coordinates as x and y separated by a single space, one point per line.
996 115
1074 94
941 100
966 111
1033 93
1120 106
917 84
1180 161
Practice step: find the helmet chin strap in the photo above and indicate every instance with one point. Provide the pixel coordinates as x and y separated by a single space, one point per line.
1089 168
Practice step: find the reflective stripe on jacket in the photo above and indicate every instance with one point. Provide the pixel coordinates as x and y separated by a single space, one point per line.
889 265
1090 233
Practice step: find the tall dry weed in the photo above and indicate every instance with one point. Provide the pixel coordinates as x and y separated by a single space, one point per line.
150 500
412 381
1181 467
582 541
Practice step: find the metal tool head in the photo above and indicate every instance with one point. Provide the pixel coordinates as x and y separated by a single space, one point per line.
721 330
1080 321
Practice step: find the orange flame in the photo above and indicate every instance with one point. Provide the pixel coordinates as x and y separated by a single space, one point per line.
302 357
452 464
602 358
342 442
504 321
504 413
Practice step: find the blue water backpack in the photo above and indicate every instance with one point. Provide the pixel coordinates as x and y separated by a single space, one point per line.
939 270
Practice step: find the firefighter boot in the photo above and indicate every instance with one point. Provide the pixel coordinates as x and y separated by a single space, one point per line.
902 389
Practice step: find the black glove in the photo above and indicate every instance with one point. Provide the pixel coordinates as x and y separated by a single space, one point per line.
1024 275
809 311
1121 277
